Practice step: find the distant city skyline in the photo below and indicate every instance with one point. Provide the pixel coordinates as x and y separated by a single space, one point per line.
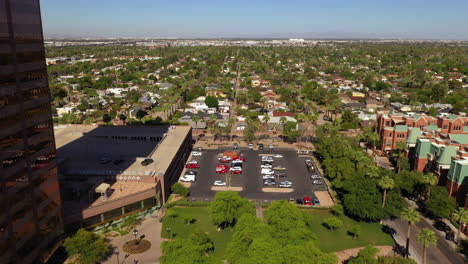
415 19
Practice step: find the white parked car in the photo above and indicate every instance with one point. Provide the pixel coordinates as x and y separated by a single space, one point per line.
268 177
196 153
188 178
278 156
192 162
219 183
266 166
235 169
267 171
267 158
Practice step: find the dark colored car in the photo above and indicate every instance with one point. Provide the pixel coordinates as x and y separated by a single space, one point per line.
198 149
315 201
191 173
260 146
235 146
281 175
439 225
147 162
450 236
299 201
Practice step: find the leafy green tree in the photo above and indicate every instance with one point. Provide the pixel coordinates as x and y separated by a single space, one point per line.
87 246
332 223
180 189
355 231
197 249
338 210
106 118
227 207
140 114
363 199
287 222
123 117
426 238
460 216
412 216
440 203
367 255
211 101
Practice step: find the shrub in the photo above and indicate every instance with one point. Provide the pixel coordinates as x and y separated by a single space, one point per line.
332 223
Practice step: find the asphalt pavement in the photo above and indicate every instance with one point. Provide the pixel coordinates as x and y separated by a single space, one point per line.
251 180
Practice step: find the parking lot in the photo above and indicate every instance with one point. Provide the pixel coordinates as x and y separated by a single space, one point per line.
251 181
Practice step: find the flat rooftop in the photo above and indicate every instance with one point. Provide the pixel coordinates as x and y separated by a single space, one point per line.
81 148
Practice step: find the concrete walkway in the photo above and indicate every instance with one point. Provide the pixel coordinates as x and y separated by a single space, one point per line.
151 229
259 210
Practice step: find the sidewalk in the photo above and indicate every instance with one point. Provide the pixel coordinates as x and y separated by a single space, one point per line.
151 229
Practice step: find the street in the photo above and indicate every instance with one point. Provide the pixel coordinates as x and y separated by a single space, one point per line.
442 253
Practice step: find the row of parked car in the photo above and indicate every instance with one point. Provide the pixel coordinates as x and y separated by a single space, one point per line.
306 201
191 175
271 173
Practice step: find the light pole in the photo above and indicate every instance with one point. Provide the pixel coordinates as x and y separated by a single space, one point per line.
168 230
135 233
117 253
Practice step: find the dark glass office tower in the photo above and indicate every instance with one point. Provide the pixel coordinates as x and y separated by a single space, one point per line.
30 216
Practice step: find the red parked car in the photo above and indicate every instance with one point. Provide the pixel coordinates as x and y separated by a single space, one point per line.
222 169
239 158
192 165
307 201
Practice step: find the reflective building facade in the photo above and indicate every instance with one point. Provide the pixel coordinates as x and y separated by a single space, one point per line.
30 218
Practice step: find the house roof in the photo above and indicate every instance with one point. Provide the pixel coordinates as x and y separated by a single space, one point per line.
447 153
401 128
458 170
423 147
278 113
413 136
432 128
460 138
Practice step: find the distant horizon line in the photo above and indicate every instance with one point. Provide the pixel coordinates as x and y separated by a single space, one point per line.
51 37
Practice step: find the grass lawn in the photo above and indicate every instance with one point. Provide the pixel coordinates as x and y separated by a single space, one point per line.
180 229
337 240
328 240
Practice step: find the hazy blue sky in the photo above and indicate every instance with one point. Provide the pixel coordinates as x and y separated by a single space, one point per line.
445 19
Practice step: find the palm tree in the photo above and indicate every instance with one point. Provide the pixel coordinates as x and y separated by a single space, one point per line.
196 119
412 216
386 183
430 179
427 238
461 217
399 151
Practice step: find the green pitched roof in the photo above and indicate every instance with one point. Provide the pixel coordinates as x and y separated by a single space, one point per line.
416 116
401 128
460 138
452 116
458 171
423 146
432 128
413 136
446 157
465 129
